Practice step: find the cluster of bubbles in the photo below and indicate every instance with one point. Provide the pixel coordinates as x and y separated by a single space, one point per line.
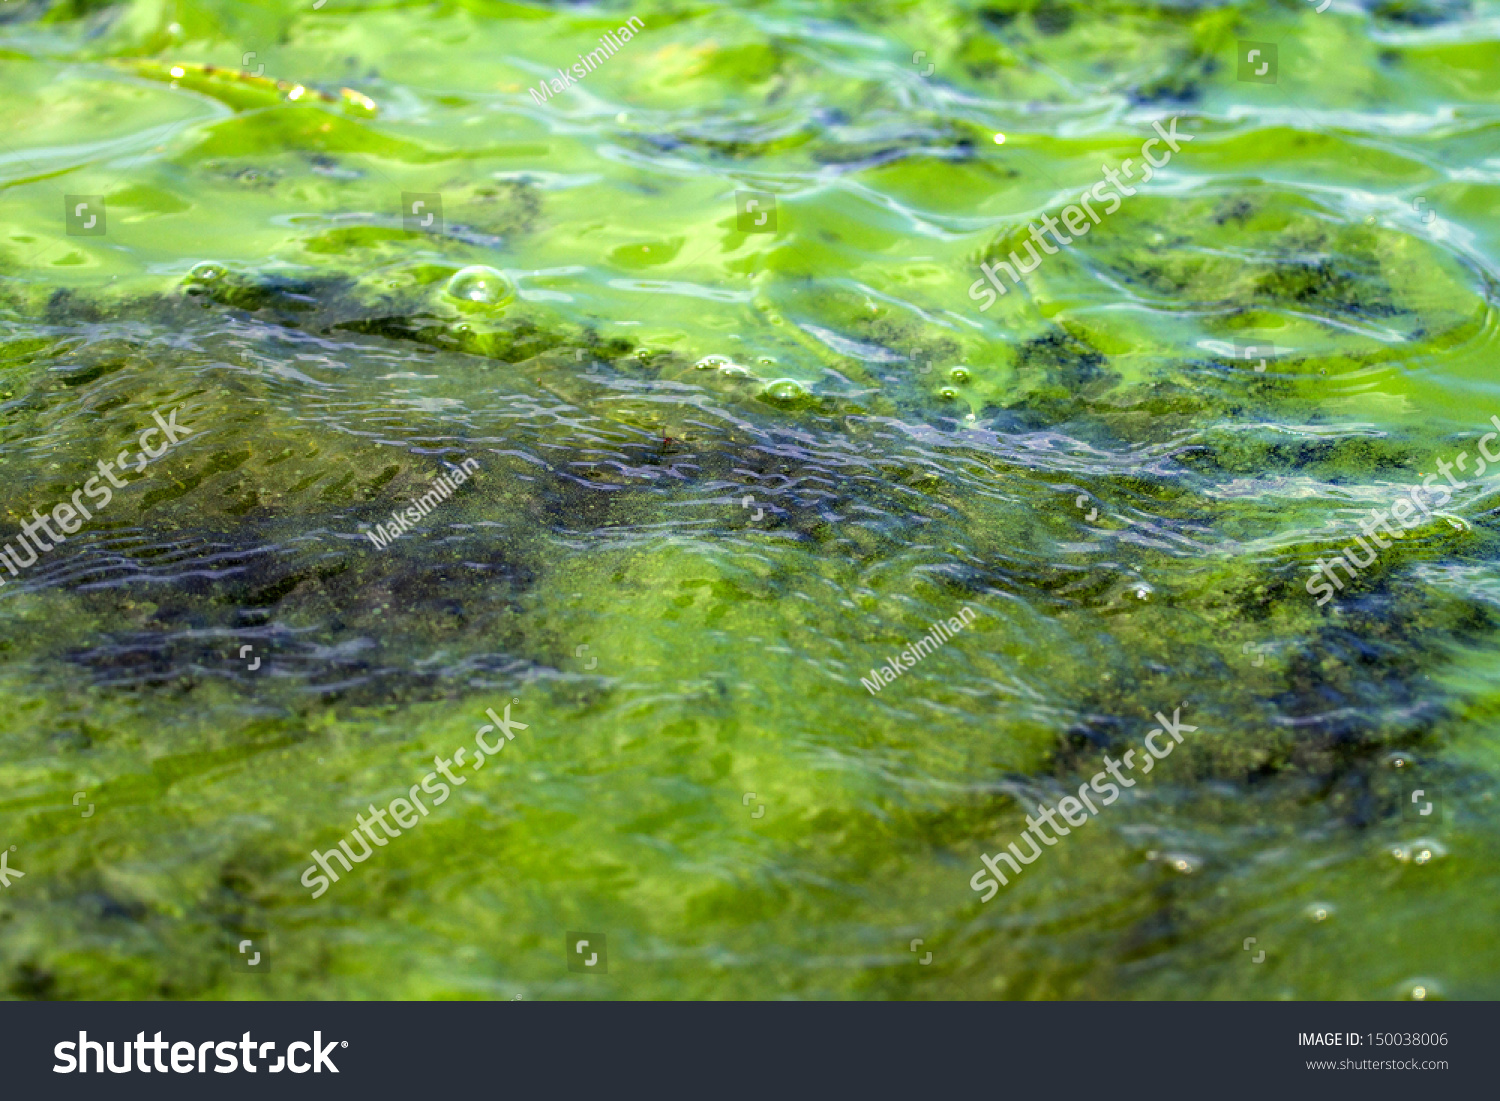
781 391
1421 851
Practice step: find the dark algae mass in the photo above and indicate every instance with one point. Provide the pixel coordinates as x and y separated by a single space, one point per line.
573 501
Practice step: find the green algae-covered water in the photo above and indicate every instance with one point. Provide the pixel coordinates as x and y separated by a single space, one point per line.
723 462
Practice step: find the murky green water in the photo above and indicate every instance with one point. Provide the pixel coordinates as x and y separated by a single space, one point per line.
723 470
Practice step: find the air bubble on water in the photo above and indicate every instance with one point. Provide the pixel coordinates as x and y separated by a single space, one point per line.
948 392
959 374
724 365
1182 863
1420 990
1398 760
1424 850
207 272
480 286
785 390
1319 911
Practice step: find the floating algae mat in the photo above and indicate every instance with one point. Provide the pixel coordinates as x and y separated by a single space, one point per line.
451 501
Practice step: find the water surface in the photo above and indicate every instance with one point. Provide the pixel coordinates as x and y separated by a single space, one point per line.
724 471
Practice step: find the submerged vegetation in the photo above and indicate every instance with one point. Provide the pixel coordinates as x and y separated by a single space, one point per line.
723 472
